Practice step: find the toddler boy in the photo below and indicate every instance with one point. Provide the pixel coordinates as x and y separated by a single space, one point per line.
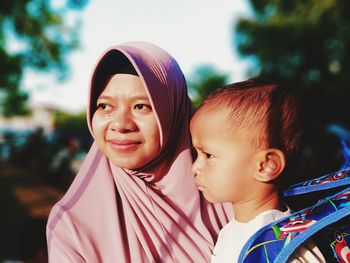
244 135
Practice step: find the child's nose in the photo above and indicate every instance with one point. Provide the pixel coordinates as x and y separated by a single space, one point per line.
123 121
195 167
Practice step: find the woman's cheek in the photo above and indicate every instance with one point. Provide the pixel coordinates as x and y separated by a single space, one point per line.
99 125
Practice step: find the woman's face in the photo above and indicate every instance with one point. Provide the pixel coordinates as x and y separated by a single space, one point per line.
124 125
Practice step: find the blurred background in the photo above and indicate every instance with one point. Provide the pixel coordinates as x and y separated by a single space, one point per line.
48 49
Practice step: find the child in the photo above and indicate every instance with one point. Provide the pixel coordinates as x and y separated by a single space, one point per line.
245 134
134 198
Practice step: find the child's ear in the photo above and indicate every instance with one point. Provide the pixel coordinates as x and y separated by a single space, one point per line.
271 165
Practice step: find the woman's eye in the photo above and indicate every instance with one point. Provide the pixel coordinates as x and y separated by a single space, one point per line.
141 106
102 106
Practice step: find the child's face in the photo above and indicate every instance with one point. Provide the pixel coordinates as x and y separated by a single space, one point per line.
224 167
124 124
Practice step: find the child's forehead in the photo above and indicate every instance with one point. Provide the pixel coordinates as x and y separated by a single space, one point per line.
218 114
208 109
220 120
210 119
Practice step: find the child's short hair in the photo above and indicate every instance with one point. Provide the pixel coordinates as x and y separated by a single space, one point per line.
266 113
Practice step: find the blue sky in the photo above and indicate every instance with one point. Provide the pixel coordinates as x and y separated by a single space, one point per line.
195 32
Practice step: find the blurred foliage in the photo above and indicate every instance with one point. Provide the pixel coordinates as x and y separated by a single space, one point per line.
67 121
33 155
204 80
35 34
304 46
52 158
15 103
69 125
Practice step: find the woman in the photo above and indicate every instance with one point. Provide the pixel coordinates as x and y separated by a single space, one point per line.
134 198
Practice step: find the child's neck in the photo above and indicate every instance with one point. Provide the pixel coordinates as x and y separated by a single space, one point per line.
249 209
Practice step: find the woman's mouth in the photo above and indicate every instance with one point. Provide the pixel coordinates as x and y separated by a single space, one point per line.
124 145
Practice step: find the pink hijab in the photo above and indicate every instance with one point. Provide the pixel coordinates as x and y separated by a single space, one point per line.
155 214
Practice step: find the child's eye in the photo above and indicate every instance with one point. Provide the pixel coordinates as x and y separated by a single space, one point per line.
207 155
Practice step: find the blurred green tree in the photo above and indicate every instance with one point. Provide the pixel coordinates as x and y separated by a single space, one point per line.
69 125
71 121
304 46
35 34
204 80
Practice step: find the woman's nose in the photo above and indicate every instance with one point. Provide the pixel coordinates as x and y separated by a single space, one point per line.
123 121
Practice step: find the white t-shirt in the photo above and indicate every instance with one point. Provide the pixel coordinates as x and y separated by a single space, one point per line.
234 235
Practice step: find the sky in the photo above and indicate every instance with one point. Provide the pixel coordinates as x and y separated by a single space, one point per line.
194 32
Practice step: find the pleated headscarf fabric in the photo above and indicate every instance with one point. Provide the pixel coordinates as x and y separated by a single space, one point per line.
155 213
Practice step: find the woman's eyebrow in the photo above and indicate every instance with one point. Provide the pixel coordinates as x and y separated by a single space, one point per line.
135 97
103 97
139 97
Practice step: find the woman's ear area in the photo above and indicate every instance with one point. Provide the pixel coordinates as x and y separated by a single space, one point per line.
271 163
92 126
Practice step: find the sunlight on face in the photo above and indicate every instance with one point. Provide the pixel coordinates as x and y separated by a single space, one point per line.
124 125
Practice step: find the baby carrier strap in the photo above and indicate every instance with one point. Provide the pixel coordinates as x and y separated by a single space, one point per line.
277 242
327 222
328 181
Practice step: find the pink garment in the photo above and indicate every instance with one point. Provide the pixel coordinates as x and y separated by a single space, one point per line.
154 215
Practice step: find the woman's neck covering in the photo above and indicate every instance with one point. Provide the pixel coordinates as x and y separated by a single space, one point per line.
155 213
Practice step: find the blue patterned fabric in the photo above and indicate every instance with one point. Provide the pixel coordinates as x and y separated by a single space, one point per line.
327 222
